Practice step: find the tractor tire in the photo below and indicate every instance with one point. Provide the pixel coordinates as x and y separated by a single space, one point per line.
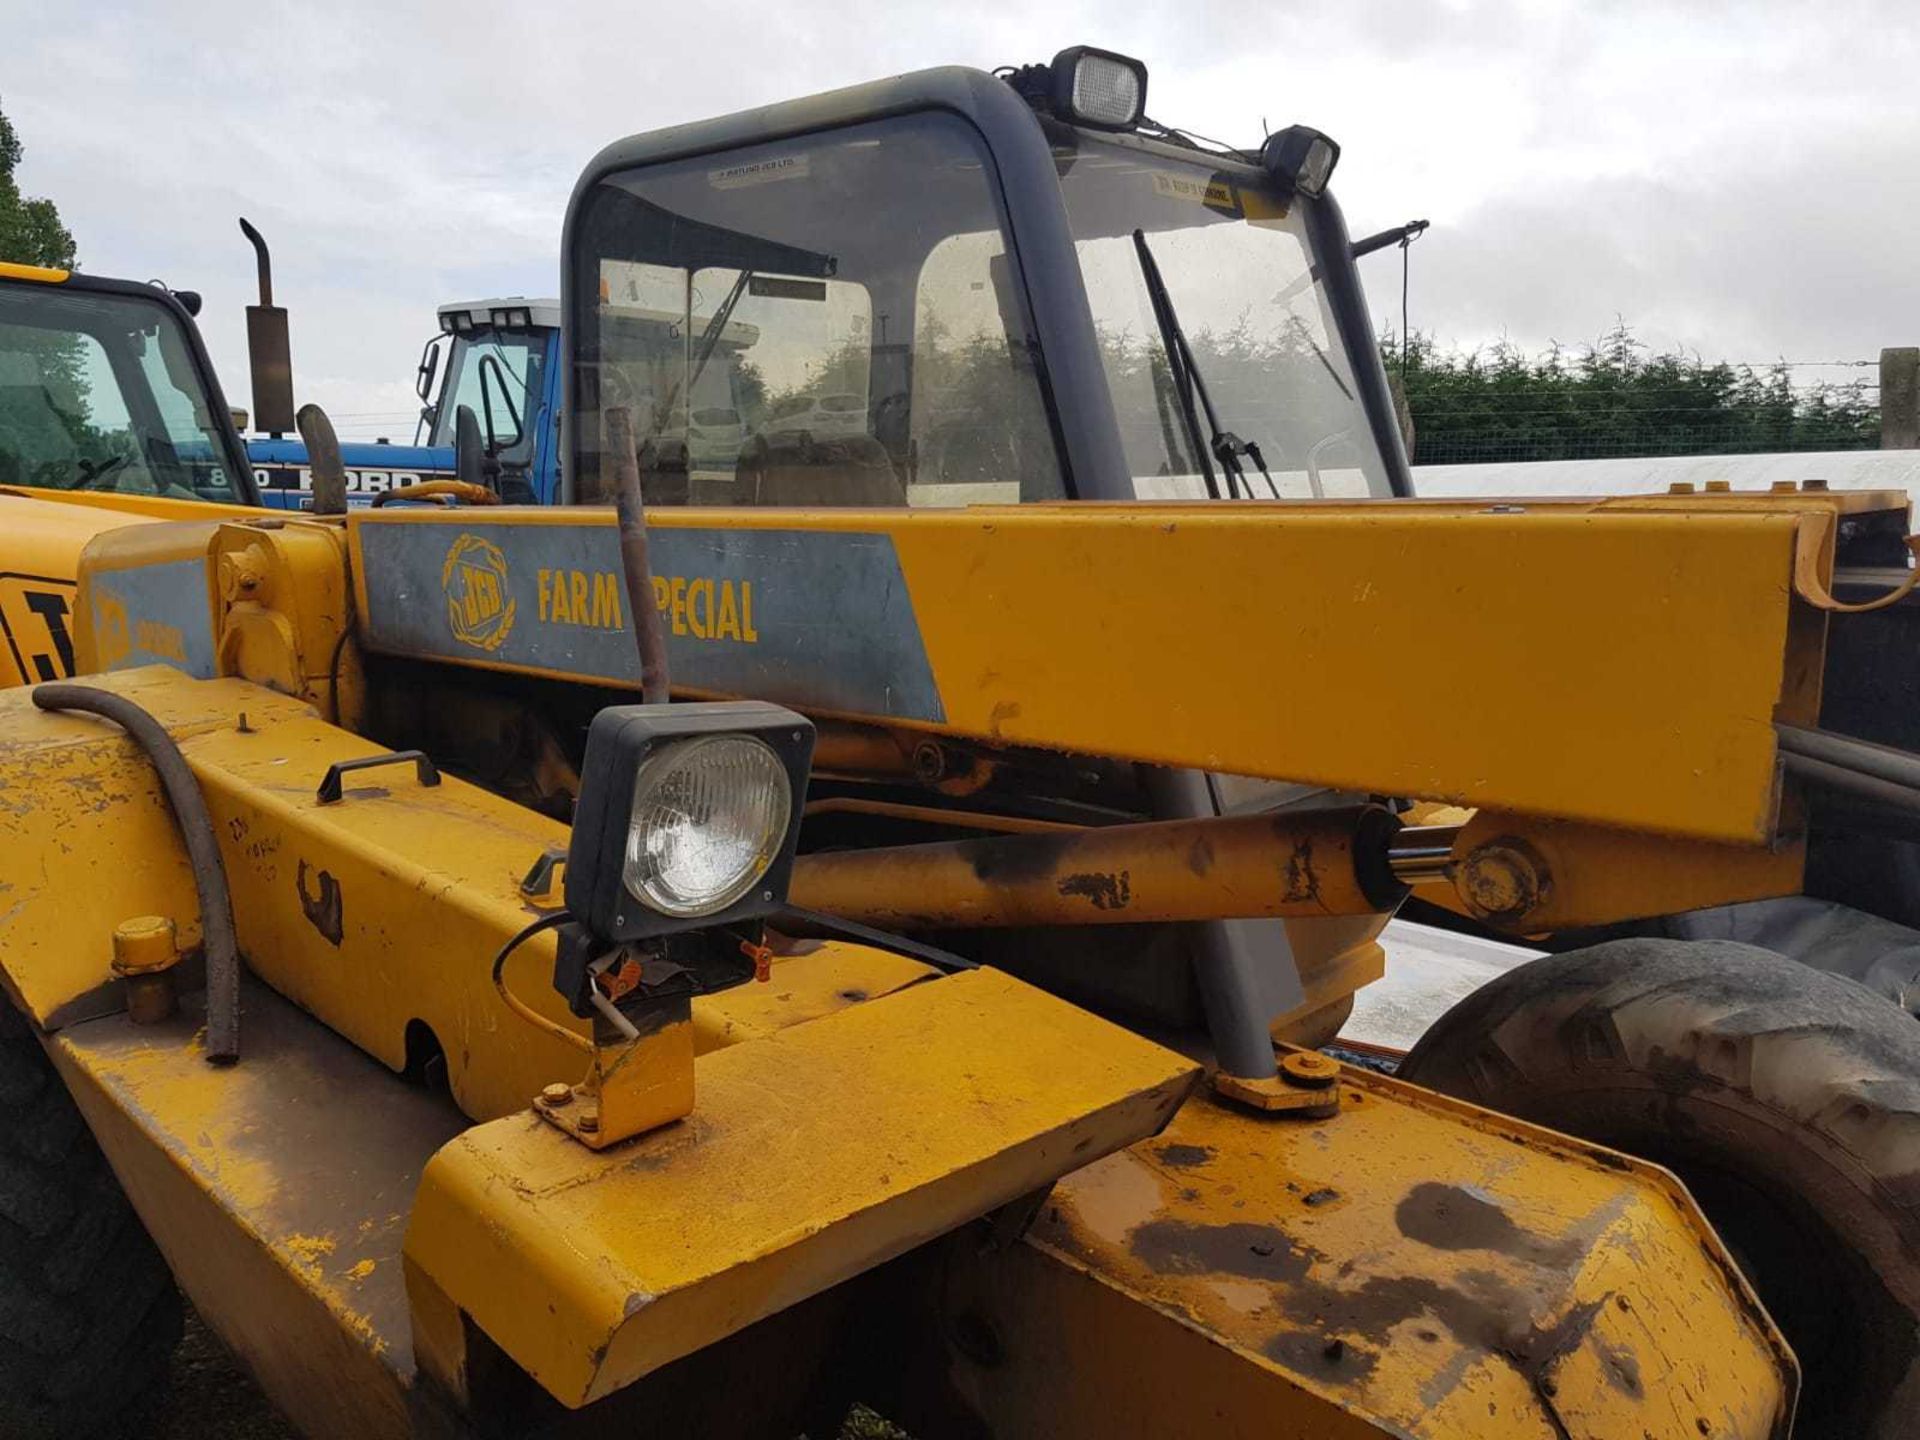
1786 1099
89 1315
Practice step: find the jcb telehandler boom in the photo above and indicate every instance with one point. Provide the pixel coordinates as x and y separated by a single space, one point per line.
919 1010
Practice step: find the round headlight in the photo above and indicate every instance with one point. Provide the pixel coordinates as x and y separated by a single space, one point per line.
709 816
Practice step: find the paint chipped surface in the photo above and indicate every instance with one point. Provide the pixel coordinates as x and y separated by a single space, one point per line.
1465 1269
304 1175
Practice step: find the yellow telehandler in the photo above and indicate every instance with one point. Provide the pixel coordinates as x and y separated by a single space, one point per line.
853 919
106 398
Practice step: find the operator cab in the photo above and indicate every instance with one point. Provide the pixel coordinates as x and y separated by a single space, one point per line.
957 288
104 386
495 358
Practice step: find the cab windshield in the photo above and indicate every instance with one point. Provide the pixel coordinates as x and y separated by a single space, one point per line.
497 373
100 392
1238 269
776 344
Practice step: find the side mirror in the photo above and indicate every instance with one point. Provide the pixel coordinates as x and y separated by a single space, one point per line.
471 461
269 352
239 419
429 367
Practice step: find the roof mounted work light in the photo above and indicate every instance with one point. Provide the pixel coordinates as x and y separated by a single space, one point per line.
1301 158
1087 86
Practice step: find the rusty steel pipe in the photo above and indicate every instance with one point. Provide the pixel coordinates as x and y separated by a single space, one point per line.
843 747
1287 864
648 634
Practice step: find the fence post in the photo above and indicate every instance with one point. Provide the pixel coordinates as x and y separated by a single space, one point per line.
1900 399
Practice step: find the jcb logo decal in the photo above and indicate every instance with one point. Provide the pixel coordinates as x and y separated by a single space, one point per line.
34 617
479 607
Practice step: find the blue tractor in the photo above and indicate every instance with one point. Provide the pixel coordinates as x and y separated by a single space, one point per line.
493 369
494 360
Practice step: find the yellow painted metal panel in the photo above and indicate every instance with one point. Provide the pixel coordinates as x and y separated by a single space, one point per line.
87 840
813 978
1616 665
45 534
278 1190
1412 1265
1595 876
800 1168
39 274
1457 656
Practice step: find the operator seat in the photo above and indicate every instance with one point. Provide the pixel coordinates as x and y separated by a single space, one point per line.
793 468
664 471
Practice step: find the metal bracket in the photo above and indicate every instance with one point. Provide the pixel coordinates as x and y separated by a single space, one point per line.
332 790
1307 1087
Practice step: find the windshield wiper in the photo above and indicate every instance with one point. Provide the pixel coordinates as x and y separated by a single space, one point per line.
1223 444
92 474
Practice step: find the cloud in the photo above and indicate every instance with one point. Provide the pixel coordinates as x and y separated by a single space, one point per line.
1735 178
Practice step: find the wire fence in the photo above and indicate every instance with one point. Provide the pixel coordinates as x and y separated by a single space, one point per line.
1730 440
1612 402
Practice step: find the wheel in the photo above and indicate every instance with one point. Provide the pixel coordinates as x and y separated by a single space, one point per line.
88 1312
1788 1100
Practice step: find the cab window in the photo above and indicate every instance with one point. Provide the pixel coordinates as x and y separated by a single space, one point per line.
774 343
100 392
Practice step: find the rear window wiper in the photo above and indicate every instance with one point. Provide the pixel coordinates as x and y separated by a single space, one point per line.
1223 444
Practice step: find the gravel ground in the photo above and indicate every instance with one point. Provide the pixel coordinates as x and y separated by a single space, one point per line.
211 1398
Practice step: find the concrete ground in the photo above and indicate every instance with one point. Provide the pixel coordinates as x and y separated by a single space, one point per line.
1427 970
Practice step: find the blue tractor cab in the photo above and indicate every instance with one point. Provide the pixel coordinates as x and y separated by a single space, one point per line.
499 360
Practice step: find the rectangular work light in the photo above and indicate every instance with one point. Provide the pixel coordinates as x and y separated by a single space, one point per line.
688 817
1098 88
1301 158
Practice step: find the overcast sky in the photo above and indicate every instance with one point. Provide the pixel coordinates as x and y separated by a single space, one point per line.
1741 179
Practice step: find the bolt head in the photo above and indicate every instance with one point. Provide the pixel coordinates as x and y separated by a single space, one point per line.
557 1094
1309 1070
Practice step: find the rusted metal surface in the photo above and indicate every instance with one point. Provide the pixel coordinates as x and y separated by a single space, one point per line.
1533 876
145 952
845 748
934 815
1294 863
323 460
648 632
1504 880
1411 1267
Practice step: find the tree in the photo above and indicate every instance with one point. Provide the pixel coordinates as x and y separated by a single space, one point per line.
30 230
1613 398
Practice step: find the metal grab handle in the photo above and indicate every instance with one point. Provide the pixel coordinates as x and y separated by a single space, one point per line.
332 790
1810 579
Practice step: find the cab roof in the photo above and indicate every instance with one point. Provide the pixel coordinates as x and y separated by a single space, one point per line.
502 312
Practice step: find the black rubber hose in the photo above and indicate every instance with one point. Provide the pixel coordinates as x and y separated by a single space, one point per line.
203 850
